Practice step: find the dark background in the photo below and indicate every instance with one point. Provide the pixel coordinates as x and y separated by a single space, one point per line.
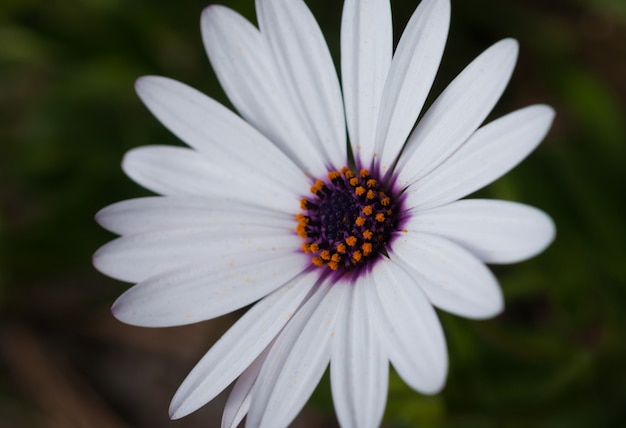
68 112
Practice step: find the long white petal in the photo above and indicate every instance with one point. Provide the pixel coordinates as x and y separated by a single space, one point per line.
307 71
452 278
458 111
491 152
495 231
240 397
201 292
135 258
178 171
359 368
411 76
366 49
223 136
297 360
243 63
157 213
408 326
239 346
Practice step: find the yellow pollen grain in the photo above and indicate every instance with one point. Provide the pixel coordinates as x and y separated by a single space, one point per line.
301 231
306 247
348 174
357 256
317 261
303 203
367 210
371 182
319 185
367 248
386 201
315 247
341 248
371 194
354 182
367 234
333 265
364 173
325 255
333 175
360 221
359 190
351 241
380 217
335 258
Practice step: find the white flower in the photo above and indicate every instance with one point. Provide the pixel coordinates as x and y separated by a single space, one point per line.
346 251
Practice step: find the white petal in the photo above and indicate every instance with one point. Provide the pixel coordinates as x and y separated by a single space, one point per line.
179 171
490 153
495 231
458 111
307 71
205 291
409 328
134 258
223 136
359 369
240 396
240 346
152 214
366 48
452 278
297 360
410 78
247 72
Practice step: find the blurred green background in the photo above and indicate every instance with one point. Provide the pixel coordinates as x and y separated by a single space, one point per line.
68 112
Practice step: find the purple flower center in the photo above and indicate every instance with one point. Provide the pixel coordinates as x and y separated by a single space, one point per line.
348 220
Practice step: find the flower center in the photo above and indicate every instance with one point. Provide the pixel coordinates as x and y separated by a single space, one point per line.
347 221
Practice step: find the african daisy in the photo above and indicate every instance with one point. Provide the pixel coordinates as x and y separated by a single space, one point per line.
346 241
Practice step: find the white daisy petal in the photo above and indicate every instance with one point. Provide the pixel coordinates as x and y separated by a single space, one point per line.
306 69
239 346
490 153
366 48
495 231
409 328
247 72
170 170
212 129
203 291
240 396
297 360
359 369
135 258
458 111
410 77
157 213
452 278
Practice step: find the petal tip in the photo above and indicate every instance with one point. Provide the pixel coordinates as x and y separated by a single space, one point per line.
174 411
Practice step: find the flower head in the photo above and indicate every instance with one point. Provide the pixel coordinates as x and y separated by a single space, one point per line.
345 245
